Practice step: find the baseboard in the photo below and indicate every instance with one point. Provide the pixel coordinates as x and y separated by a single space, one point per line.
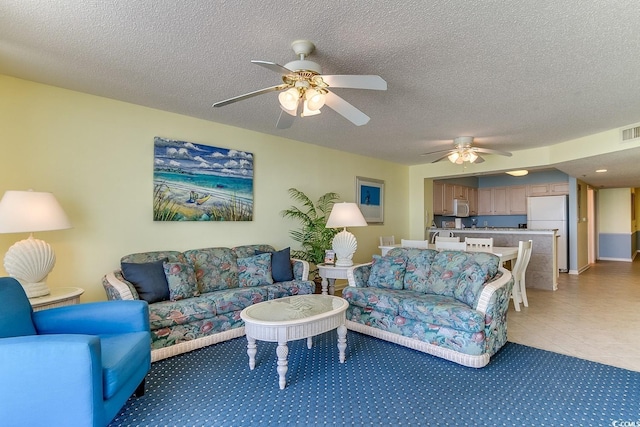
615 259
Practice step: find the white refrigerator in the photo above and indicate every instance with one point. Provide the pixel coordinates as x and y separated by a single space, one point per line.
551 212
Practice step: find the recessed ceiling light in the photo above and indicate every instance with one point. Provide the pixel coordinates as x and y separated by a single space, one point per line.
518 172
601 171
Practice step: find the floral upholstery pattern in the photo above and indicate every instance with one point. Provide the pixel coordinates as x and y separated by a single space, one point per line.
387 272
181 279
216 268
439 303
192 313
255 270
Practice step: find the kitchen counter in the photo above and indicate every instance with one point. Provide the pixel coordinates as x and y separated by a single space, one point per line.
542 271
493 230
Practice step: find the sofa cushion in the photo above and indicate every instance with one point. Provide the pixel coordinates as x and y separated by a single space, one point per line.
281 267
443 311
375 299
418 268
387 272
230 300
139 258
250 250
287 289
149 280
171 313
216 268
181 279
122 356
255 271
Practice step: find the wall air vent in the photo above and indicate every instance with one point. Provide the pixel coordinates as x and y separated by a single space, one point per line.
630 133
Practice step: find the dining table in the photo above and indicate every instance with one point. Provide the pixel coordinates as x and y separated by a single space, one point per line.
506 253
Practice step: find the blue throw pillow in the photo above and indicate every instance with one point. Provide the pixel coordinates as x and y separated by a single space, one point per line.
149 280
281 268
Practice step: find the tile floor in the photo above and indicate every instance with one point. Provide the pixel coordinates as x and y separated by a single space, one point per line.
594 315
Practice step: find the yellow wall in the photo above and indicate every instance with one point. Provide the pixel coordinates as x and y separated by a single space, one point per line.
614 211
96 156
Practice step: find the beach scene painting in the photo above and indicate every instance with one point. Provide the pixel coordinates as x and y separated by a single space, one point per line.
194 182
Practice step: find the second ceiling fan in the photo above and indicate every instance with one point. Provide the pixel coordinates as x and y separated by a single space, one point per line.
463 151
305 90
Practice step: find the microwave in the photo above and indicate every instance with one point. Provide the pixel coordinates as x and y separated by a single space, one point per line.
460 208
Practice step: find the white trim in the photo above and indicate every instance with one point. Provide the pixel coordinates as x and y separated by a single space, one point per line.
472 361
121 287
615 259
490 288
186 346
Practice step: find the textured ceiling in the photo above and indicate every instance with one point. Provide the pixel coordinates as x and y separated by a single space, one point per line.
515 75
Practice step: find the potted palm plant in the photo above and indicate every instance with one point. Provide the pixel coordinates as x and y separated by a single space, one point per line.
313 236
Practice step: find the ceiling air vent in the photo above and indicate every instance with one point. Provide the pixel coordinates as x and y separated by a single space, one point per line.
631 133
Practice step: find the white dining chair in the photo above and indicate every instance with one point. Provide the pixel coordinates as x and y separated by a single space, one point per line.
450 246
441 233
519 292
420 244
447 239
478 244
387 240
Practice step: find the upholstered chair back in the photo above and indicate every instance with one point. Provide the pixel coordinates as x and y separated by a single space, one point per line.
15 310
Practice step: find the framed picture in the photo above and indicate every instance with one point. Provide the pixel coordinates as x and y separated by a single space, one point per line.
370 199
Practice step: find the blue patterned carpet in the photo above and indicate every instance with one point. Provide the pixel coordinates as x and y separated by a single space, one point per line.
381 384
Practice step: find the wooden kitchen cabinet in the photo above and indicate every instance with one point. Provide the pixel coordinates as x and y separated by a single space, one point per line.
517 198
548 189
492 201
473 201
438 197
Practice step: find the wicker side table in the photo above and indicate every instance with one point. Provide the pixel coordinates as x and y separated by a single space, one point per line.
58 297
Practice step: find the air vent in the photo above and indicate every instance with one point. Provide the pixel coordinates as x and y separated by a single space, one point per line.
631 133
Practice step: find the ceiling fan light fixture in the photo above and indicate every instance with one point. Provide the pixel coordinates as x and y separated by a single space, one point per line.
314 99
289 99
453 157
306 111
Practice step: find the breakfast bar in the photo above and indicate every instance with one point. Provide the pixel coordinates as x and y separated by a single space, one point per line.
542 271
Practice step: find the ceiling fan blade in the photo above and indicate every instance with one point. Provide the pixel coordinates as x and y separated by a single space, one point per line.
285 120
442 157
345 109
355 82
272 66
490 151
479 160
250 95
448 151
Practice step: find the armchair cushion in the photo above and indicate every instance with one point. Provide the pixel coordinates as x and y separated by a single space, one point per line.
122 356
149 280
15 315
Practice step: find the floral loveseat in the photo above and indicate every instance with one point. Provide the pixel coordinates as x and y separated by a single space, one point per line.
451 304
195 297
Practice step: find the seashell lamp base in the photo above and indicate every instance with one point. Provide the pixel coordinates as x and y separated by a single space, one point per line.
30 261
344 245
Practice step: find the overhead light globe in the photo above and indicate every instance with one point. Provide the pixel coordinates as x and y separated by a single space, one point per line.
472 157
289 99
306 111
314 99
453 157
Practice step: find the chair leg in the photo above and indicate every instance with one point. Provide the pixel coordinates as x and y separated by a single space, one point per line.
515 294
140 390
523 293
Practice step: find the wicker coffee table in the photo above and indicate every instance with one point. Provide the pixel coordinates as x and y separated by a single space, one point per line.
293 318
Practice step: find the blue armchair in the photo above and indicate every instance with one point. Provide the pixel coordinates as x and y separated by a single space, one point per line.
69 366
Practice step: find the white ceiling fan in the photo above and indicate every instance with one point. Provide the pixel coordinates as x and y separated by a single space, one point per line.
305 90
463 151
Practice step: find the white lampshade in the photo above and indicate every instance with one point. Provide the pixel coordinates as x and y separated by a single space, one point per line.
344 243
306 112
289 98
31 260
315 99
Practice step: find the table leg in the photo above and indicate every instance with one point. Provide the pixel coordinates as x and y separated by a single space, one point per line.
282 351
332 287
325 283
342 341
309 342
251 351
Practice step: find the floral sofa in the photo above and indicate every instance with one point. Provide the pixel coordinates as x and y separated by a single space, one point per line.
451 304
195 297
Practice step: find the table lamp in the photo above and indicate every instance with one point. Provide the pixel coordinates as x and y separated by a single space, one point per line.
344 243
30 260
